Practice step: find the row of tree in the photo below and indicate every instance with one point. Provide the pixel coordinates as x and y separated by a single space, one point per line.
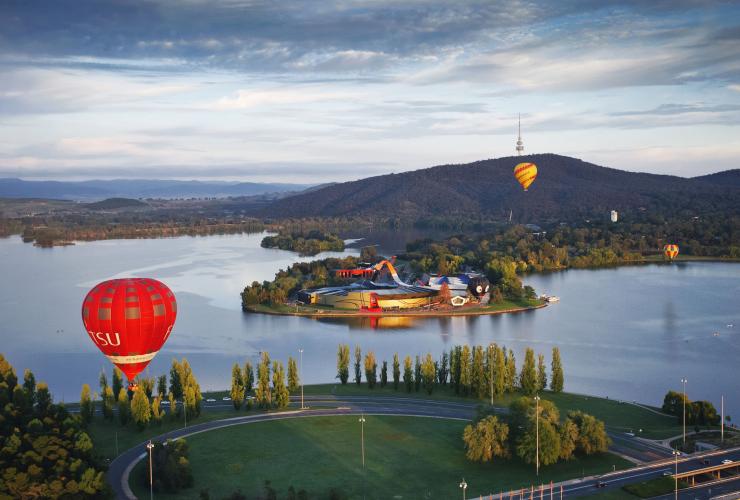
141 406
44 450
478 371
531 426
697 412
266 394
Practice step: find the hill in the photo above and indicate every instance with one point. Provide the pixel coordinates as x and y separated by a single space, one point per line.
565 188
725 178
94 190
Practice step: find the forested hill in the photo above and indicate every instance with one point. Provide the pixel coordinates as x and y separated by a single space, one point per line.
565 188
724 178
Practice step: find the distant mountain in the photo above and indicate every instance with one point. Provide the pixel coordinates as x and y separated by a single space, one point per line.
138 188
724 178
565 188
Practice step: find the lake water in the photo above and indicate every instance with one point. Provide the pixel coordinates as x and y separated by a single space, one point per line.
628 333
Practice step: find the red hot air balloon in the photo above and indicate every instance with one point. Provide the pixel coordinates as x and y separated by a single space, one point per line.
129 320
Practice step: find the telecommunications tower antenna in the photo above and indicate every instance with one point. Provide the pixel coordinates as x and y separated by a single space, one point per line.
519 142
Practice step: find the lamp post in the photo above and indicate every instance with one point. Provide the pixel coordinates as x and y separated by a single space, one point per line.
463 487
676 453
537 434
300 371
683 380
149 447
362 439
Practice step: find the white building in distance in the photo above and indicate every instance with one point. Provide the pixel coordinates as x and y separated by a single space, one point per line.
614 216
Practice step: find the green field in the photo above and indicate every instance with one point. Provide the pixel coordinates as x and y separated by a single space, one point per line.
654 487
405 458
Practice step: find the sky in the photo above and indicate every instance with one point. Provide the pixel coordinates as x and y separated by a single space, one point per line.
333 90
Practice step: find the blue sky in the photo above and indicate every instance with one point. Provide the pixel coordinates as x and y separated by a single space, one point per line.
315 91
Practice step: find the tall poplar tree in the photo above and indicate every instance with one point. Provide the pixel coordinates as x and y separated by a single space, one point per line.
371 369
141 411
528 376
384 374
466 372
343 363
280 391
541 373
87 410
396 371
408 374
358 365
557 381
511 372
237 387
262 392
293 380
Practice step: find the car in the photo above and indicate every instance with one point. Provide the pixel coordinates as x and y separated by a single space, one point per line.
165 403
726 461
706 461
667 473
226 398
210 400
629 434
250 398
601 484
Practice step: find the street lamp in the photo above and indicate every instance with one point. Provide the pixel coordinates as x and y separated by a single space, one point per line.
463 487
300 371
362 438
149 447
676 453
683 380
537 433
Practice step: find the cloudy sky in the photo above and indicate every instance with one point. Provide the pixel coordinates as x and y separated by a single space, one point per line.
314 91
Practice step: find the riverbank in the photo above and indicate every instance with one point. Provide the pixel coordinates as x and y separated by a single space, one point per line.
324 312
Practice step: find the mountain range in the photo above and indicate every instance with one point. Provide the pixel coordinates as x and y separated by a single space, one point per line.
94 190
565 187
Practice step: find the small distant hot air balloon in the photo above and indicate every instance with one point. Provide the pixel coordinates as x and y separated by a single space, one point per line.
670 251
129 320
525 173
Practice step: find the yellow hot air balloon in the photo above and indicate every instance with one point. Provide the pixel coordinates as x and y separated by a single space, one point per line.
525 173
670 251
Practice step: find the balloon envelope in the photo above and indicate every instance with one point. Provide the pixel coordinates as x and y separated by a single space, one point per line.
129 320
525 173
670 251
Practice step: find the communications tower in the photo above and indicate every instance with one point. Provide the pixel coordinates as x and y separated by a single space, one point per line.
519 142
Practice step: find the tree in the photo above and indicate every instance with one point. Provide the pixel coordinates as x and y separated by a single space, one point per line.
102 381
466 373
117 383
428 373
510 372
162 386
702 413
87 410
141 411
157 409
123 406
384 374
280 391
557 379
444 295
541 373
396 371
343 363
248 377
371 369
568 439
592 437
237 387
528 376
486 439
417 373
499 371
358 364
408 374
176 383
108 401
549 443
673 403
146 384
443 369
293 381
478 385
171 469
455 373
262 392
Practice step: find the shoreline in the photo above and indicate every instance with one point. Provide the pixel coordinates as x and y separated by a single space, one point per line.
328 313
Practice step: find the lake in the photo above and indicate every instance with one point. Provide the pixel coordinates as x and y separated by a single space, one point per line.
629 333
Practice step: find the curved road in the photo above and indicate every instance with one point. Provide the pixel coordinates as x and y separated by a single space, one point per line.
635 449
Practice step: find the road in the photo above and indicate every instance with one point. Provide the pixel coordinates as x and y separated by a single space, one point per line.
330 405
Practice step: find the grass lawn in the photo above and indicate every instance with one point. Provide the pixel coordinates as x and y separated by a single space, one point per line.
405 457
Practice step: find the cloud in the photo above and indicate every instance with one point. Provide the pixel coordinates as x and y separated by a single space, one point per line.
244 98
